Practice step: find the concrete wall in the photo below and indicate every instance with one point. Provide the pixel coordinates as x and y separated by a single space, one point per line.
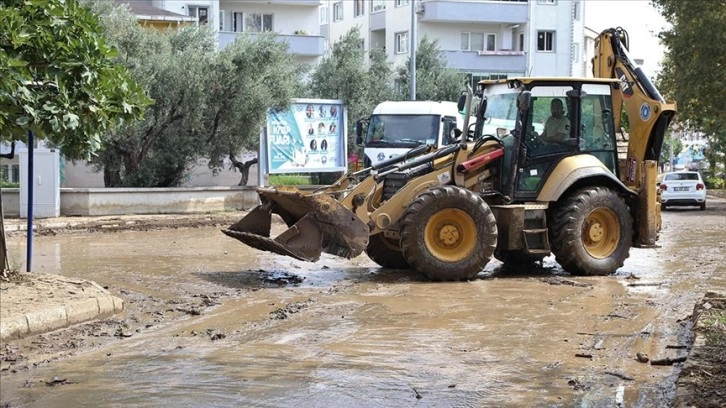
118 201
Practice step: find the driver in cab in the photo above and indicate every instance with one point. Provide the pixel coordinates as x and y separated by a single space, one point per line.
557 126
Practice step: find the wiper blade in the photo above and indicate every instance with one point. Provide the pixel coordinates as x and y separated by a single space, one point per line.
414 141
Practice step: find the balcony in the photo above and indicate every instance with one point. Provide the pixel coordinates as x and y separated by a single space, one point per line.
496 61
301 45
312 3
473 11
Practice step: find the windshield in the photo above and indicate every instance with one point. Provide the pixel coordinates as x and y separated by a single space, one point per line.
681 176
402 130
501 112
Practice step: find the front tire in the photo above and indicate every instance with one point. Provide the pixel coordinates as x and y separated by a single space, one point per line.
448 233
385 252
591 232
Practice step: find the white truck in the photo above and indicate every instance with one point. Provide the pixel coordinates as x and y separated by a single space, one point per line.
395 127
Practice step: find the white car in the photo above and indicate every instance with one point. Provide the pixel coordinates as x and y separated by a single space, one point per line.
682 188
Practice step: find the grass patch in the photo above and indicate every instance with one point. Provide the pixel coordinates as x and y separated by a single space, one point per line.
289 180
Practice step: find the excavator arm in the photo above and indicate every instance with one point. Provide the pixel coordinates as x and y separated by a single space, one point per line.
649 115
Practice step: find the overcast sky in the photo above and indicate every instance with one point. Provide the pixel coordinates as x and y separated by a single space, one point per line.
642 22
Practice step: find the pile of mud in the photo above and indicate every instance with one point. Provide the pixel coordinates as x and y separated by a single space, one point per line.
702 381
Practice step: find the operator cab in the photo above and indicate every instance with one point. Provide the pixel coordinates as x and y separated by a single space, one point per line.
541 121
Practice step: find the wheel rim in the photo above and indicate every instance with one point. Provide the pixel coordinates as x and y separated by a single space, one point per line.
601 232
450 235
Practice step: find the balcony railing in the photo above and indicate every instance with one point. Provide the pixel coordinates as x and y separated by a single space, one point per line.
462 11
495 61
303 45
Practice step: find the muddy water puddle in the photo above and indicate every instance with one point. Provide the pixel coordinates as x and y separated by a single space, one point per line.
347 333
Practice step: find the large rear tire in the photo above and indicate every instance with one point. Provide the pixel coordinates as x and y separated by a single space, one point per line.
591 232
448 234
386 252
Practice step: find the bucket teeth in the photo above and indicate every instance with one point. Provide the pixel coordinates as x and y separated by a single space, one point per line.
317 223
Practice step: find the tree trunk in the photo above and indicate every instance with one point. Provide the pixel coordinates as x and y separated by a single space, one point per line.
112 177
244 168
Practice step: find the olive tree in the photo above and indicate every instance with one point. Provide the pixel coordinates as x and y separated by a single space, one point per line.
346 75
434 79
209 104
692 70
249 77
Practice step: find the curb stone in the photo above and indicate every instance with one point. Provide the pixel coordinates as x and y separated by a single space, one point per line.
52 318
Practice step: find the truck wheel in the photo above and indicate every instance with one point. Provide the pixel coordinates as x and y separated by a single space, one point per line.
448 234
591 232
386 252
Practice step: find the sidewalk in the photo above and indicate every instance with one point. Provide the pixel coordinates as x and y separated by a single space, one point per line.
38 303
34 303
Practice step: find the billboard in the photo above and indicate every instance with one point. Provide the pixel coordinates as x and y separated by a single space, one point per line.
309 136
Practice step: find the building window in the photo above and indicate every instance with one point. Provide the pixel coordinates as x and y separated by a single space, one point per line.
323 15
521 42
546 1
576 10
478 42
491 44
400 3
545 41
201 13
358 8
401 45
10 173
257 23
338 11
377 5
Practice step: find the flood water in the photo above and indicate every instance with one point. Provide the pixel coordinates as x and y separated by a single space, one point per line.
348 333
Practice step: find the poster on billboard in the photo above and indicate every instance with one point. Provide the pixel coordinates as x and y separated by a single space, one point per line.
309 136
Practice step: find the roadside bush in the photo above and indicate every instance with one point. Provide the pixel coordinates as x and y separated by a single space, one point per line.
713 180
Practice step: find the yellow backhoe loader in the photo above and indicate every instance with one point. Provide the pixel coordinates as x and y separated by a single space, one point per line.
536 177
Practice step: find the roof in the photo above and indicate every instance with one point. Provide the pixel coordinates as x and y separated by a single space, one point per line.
527 80
416 108
143 10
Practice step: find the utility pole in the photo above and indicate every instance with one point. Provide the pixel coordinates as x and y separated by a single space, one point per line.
412 52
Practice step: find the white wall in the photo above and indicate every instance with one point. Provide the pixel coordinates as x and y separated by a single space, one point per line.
81 175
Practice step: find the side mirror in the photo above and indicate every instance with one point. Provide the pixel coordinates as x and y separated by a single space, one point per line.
461 104
524 100
501 132
359 131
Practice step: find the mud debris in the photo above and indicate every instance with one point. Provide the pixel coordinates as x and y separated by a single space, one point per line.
292 308
559 280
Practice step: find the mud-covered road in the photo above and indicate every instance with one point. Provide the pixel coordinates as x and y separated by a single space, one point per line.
210 322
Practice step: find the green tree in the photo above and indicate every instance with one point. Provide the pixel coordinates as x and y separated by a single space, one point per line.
670 143
692 71
344 75
434 80
249 77
58 77
209 103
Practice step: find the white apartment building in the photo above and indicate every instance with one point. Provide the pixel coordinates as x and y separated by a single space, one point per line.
484 38
296 22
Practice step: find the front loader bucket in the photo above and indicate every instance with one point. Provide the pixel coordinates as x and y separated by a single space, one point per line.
317 223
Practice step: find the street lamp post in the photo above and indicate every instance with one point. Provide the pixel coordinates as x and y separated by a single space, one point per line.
412 52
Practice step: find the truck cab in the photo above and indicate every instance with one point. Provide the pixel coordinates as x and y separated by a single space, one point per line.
395 127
